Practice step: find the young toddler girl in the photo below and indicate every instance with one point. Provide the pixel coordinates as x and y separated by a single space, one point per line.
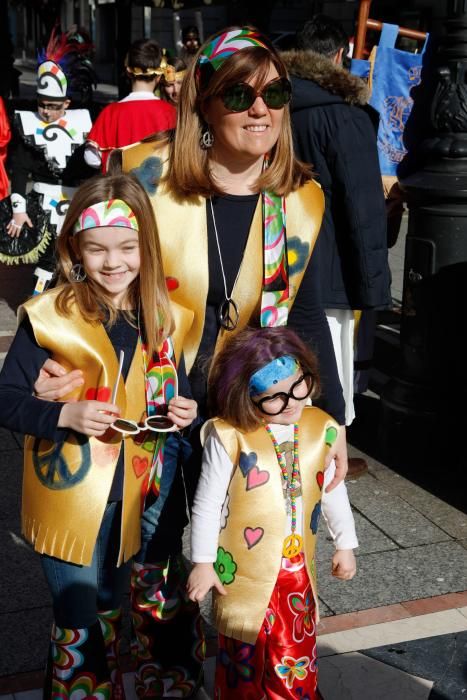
256 512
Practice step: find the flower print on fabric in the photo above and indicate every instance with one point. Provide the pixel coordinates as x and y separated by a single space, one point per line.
291 668
66 654
269 620
314 522
235 657
225 566
302 606
149 585
297 253
84 686
225 512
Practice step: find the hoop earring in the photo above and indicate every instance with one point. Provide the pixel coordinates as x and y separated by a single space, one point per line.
78 273
207 139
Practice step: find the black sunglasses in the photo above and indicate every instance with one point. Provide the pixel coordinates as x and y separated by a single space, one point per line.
276 403
240 97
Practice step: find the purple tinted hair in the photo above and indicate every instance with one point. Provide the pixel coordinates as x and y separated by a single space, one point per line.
245 353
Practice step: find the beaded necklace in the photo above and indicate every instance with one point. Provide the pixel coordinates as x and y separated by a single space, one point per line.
293 542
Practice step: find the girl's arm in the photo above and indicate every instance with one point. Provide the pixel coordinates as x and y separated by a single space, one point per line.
22 412
206 518
341 525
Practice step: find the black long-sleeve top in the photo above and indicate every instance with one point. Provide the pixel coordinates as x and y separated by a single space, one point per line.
24 413
234 214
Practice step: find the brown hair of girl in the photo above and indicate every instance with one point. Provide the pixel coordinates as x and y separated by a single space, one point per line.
148 292
244 354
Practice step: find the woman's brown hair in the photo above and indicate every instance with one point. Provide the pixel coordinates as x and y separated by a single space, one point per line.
148 292
189 172
244 354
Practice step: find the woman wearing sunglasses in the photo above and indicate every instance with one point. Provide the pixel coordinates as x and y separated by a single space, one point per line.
238 217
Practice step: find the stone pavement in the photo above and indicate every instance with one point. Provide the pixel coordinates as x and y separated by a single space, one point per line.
398 630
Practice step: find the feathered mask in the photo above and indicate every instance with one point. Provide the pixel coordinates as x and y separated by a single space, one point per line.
57 63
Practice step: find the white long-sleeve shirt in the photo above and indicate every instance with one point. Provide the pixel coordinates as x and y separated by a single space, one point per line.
211 505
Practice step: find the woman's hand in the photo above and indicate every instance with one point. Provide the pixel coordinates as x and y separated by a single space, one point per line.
91 418
344 565
338 452
200 581
14 226
182 411
54 382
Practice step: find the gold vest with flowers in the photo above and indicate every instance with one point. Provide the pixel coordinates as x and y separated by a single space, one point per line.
66 485
182 228
252 535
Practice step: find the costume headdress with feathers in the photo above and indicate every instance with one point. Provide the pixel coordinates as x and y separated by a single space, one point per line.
58 63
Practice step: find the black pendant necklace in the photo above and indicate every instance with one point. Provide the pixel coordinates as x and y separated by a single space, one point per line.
227 313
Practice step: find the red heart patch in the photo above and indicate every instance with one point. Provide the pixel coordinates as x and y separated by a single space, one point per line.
102 393
320 480
172 283
140 465
256 477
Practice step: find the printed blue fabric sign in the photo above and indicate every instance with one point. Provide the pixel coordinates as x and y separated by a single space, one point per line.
395 74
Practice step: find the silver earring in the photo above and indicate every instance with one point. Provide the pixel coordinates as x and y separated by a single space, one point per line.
207 139
77 273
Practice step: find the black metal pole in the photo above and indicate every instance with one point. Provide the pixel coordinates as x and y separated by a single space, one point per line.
428 393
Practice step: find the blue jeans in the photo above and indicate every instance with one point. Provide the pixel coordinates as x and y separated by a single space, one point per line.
79 592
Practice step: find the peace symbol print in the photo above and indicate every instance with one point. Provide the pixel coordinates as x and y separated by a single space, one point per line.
52 468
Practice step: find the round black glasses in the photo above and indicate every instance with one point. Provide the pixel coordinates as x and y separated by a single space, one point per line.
276 403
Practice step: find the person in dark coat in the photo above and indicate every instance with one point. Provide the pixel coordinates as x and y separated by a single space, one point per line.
334 130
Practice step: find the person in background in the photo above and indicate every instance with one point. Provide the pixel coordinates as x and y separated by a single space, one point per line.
191 42
334 132
171 82
5 136
139 114
46 149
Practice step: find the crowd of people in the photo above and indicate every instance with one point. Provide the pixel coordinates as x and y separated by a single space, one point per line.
188 353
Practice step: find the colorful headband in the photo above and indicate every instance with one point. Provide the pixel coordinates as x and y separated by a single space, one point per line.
114 212
223 47
276 370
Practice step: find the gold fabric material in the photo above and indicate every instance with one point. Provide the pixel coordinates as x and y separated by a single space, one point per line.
182 228
66 486
258 504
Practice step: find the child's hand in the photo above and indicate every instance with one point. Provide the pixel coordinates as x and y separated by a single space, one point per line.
54 382
344 565
182 411
201 580
91 418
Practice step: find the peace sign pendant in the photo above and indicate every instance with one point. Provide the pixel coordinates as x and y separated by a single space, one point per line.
228 314
292 545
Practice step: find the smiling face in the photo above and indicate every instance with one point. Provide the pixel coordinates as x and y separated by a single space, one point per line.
111 258
244 137
293 411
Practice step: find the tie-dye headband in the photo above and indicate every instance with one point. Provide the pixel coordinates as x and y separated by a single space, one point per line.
223 47
114 212
275 371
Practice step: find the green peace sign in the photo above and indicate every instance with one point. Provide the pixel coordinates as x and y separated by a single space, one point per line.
52 469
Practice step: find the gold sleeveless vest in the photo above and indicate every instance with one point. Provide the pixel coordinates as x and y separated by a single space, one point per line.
66 486
251 539
182 231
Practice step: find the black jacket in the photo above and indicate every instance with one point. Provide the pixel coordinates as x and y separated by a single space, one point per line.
333 131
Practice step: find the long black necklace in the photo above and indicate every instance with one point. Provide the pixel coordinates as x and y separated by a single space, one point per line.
227 312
